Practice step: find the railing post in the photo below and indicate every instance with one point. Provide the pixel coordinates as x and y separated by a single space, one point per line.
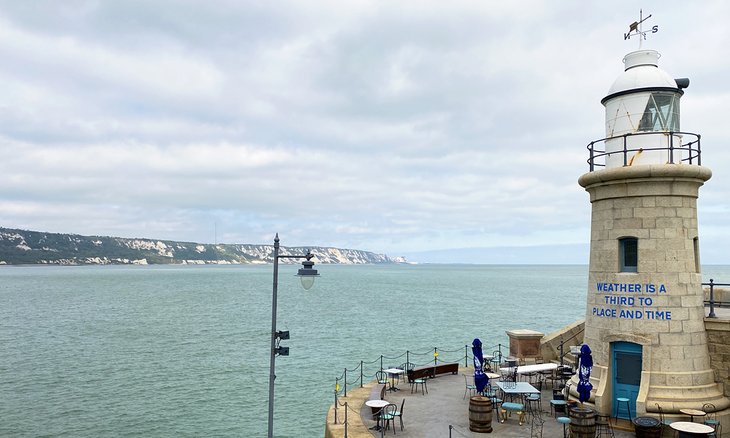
712 300
346 420
466 356
408 356
561 352
435 355
590 159
699 152
336 408
345 385
362 375
625 150
381 362
671 148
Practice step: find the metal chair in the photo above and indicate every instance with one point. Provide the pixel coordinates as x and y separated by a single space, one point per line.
406 366
399 414
382 378
419 381
471 387
664 422
711 419
558 403
621 401
388 414
564 421
603 426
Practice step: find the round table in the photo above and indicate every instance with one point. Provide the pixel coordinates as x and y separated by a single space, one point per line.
693 413
376 406
688 429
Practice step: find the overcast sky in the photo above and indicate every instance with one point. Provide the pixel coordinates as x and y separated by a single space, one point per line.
391 126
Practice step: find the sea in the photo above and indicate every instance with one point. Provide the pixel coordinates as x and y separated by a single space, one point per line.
183 351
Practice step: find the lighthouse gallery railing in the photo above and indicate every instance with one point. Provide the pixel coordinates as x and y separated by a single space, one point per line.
598 156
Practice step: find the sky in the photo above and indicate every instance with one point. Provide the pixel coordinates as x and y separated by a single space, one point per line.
395 127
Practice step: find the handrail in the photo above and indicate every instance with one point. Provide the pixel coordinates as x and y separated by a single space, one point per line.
439 355
562 343
689 147
712 301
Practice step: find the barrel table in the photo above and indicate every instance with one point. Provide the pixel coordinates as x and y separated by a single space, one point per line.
480 414
647 427
582 422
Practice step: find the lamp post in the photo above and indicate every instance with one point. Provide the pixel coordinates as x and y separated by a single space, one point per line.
307 275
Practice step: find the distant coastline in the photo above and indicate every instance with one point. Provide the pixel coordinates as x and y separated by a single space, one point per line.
25 247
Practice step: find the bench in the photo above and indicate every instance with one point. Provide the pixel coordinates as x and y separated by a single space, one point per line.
432 371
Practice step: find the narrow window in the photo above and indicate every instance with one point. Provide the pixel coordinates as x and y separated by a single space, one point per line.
628 254
696 245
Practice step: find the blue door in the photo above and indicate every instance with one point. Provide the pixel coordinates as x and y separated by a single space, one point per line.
626 375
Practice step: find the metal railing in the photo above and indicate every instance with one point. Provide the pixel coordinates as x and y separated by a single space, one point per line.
366 371
712 303
597 157
562 346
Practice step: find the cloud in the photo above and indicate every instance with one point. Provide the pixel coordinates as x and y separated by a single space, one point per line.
393 127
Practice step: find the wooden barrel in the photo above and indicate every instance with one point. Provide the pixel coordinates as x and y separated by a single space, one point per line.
480 414
647 427
582 422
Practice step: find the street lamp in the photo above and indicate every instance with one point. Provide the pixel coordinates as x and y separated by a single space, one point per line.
306 274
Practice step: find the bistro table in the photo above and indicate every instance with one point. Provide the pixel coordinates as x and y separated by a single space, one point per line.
536 368
517 388
693 413
392 372
376 406
688 429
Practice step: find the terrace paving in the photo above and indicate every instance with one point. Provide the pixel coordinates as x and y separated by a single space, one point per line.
431 415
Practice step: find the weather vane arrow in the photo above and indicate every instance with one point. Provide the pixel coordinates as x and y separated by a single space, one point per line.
635 28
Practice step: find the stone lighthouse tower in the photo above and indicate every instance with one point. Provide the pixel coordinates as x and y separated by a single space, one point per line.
645 312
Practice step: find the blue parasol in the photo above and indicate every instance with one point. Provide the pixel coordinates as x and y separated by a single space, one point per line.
584 373
480 379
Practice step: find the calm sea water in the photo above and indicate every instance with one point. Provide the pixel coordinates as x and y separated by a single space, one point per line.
183 351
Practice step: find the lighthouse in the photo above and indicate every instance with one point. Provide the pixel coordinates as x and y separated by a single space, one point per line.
645 306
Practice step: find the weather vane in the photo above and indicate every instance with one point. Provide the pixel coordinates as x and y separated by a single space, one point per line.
635 28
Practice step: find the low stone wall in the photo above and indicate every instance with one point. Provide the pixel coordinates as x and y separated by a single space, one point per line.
718 342
550 344
355 400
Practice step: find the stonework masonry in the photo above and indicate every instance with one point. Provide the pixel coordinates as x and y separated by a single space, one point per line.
660 306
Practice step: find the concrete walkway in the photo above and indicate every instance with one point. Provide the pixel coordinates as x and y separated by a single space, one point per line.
431 415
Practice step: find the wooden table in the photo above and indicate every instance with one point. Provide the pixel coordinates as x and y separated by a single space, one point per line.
693 413
688 429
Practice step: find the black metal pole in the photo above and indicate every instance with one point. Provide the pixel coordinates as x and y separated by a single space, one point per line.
712 300
272 374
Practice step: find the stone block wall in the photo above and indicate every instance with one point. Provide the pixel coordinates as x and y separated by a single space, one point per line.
718 342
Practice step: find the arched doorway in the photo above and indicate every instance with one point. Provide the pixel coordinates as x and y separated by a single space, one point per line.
626 375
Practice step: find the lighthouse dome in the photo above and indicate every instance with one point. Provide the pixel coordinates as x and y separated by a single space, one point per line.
641 73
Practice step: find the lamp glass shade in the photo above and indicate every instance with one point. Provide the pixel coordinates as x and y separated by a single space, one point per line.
307 281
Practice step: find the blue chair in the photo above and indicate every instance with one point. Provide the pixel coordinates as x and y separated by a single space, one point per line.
711 419
471 387
621 401
509 407
564 421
